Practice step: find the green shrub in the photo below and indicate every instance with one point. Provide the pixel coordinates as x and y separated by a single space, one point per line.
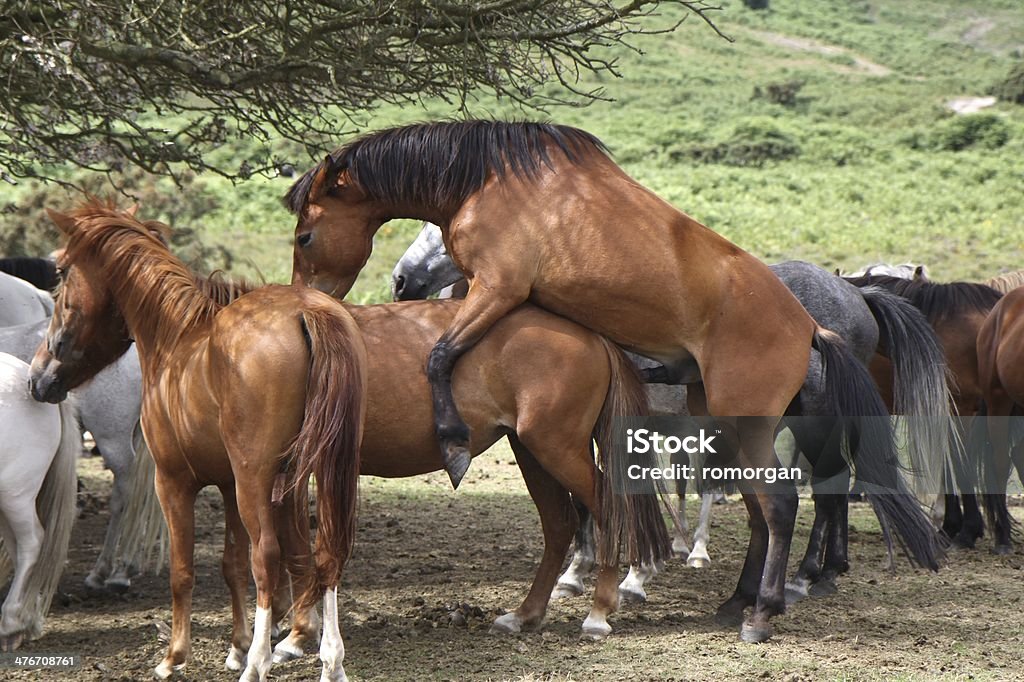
1011 88
986 131
753 142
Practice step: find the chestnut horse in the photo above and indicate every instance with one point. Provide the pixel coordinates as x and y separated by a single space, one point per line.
1001 373
539 212
544 381
252 397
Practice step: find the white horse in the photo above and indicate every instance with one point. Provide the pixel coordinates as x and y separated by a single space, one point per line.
108 407
39 446
903 271
21 302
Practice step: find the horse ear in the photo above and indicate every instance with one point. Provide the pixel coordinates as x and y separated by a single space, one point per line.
63 221
132 210
839 272
319 184
161 231
920 273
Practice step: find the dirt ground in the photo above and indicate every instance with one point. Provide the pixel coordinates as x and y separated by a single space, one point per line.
425 552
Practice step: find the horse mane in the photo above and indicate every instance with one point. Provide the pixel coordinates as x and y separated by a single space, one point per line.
223 290
1006 282
443 163
137 263
39 272
936 301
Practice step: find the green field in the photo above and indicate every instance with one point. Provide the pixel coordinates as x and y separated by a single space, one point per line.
821 132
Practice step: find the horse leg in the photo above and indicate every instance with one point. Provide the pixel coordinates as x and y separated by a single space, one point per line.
558 520
332 648
953 519
680 537
810 568
778 503
730 613
234 567
23 535
253 492
485 304
699 557
570 583
836 546
177 495
973 527
294 538
118 580
999 409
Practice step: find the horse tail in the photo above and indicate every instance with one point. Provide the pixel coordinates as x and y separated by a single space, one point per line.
920 383
327 445
630 518
871 443
142 537
56 509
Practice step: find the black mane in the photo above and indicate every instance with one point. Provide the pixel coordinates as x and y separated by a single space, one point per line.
936 301
40 272
441 164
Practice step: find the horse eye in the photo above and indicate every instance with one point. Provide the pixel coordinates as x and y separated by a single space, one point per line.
304 239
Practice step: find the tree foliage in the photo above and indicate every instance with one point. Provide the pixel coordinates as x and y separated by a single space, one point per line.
158 84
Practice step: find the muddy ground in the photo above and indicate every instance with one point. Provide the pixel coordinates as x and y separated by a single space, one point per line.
424 552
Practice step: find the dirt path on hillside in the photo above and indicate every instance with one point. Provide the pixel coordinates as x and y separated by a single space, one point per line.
860 64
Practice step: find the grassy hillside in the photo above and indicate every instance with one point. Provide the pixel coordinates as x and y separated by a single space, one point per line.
821 132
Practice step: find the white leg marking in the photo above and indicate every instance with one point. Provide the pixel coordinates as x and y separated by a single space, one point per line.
332 649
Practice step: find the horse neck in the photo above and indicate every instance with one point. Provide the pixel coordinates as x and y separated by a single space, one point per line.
161 304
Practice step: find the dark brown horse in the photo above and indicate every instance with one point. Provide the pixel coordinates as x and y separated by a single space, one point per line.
252 397
956 311
540 212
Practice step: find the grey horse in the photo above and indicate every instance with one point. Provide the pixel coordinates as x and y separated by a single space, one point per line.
108 407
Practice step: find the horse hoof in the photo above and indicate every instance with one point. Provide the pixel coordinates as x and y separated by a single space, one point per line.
94 583
822 588
563 590
235 660
165 670
1002 550
12 641
680 549
118 585
333 675
795 591
506 625
698 562
632 596
754 634
252 674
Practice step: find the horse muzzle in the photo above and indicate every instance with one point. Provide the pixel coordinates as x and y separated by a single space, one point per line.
44 384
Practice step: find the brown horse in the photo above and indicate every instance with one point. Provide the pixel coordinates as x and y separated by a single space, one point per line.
540 212
956 311
1001 372
252 397
547 383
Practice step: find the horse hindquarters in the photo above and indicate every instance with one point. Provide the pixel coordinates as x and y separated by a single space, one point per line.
851 393
39 544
